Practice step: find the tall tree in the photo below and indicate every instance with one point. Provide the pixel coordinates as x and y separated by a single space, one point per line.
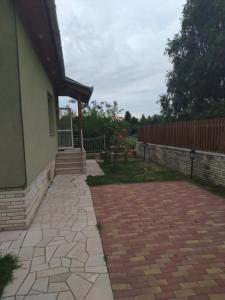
143 120
196 85
127 116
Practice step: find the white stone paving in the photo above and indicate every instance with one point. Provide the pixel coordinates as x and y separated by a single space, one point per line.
93 168
61 253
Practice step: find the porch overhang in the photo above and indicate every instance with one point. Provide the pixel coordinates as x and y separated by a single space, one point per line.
71 88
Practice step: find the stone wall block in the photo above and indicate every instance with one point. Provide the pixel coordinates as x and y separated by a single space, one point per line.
210 167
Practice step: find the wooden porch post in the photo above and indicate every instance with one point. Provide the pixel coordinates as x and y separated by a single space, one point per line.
80 113
80 121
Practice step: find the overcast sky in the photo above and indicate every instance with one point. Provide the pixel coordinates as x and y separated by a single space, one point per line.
118 47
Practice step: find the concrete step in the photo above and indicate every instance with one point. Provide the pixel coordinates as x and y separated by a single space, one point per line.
64 171
70 150
69 159
70 155
69 164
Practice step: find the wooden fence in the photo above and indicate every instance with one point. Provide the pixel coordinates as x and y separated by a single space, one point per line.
206 135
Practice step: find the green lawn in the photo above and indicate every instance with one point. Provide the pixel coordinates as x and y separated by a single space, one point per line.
8 263
131 172
138 171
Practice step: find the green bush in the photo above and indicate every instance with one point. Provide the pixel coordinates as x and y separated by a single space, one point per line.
8 263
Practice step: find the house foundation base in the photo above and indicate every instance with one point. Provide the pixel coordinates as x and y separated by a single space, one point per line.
18 207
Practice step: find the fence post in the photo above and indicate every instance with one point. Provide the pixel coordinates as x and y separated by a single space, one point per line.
110 148
104 143
192 156
144 151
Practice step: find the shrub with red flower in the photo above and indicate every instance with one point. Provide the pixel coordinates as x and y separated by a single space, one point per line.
120 140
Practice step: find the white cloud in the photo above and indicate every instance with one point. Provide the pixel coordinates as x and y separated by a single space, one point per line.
118 47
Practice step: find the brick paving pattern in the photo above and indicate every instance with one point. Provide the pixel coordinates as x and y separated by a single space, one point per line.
163 240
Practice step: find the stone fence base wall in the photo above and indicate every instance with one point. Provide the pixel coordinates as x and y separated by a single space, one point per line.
17 207
210 167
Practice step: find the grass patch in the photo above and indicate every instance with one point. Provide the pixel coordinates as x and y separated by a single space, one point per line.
8 263
139 171
99 227
105 259
133 172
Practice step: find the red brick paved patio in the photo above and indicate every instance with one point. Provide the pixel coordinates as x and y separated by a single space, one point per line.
163 240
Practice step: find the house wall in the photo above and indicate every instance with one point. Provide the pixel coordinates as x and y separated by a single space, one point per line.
40 146
209 167
27 149
12 164
18 207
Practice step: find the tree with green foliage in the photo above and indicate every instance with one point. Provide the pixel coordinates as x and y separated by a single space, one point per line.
196 85
157 119
143 120
133 125
127 116
102 118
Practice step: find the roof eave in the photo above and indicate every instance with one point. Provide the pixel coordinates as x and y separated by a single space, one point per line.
71 87
76 90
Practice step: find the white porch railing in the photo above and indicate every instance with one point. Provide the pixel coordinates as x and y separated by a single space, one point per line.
82 140
65 128
65 139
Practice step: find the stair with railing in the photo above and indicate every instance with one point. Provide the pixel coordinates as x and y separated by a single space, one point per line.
71 161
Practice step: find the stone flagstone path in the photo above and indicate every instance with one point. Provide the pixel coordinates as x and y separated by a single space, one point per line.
61 253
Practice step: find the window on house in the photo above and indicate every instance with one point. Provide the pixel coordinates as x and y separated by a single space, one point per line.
51 115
